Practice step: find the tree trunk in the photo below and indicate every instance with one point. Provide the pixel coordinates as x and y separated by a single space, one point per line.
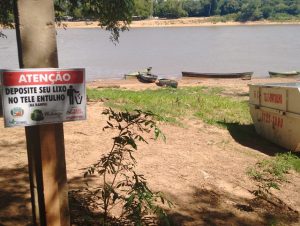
36 38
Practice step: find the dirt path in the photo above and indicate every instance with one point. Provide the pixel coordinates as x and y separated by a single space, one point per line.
201 168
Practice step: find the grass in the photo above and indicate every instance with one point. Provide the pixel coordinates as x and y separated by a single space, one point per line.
172 105
209 105
270 173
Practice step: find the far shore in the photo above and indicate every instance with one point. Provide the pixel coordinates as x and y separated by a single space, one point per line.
181 22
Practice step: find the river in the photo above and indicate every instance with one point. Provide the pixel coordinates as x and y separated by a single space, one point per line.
172 50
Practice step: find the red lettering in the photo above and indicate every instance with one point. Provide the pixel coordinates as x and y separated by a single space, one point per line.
42 77
273 98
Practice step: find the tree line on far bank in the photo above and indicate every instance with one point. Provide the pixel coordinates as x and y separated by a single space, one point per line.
239 10
236 10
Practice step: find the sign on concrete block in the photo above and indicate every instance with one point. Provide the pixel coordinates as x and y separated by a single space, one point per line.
43 96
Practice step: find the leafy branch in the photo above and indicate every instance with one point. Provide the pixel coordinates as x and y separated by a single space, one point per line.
121 184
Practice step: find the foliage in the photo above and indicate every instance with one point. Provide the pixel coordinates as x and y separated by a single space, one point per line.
113 15
251 11
143 8
270 173
6 16
248 9
121 184
169 9
206 103
229 7
116 15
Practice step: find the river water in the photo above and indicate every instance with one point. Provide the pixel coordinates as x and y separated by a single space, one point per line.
172 50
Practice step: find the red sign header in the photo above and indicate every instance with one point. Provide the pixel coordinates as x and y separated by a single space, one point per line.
43 77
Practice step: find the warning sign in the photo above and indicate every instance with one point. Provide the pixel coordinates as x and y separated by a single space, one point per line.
43 96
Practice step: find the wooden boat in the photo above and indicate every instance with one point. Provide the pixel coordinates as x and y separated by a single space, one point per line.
243 75
167 82
135 74
146 78
284 74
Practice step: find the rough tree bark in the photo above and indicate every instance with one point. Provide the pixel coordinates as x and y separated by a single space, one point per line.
36 37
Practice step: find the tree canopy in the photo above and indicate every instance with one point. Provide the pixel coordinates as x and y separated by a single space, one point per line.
115 15
244 10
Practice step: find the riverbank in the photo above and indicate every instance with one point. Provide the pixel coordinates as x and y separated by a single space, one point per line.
201 168
228 84
181 22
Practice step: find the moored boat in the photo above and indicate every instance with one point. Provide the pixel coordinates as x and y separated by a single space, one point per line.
243 75
284 74
146 78
136 73
167 82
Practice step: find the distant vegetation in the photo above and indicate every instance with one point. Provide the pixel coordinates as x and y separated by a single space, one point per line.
238 10
219 10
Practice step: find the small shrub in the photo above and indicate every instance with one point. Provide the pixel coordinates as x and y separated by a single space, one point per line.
120 183
270 173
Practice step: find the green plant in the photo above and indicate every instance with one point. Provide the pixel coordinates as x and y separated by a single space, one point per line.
204 102
270 173
121 184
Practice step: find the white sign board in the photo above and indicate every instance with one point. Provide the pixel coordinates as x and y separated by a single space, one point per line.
43 96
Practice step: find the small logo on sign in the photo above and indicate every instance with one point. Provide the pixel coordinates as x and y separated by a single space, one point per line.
74 95
37 115
74 111
17 112
14 122
54 114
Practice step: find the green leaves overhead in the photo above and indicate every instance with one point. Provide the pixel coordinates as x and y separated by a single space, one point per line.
116 15
6 13
113 15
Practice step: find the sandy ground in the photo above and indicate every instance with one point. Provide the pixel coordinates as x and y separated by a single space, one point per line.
201 168
181 22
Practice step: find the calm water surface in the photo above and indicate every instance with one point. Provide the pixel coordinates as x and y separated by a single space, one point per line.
172 50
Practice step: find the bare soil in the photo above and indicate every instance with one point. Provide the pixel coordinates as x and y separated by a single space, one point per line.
200 168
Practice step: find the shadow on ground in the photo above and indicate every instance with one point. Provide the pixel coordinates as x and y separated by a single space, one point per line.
15 205
214 208
208 207
247 136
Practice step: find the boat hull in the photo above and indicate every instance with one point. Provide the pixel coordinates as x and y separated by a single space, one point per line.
284 74
243 75
146 78
167 83
135 74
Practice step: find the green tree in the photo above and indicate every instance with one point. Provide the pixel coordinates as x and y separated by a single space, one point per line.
113 15
194 8
143 8
229 6
169 9
6 14
251 11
